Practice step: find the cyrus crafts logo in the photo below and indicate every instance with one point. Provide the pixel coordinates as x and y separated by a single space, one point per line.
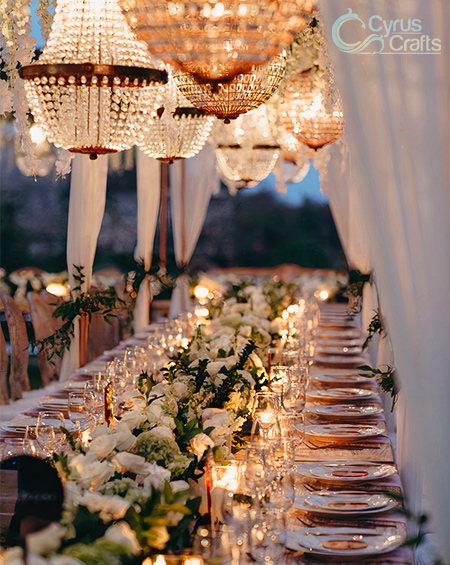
384 36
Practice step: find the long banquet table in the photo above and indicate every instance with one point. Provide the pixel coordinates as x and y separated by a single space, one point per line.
327 372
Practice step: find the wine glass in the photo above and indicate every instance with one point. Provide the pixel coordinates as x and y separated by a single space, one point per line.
135 362
278 379
94 400
266 406
77 409
267 539
294 397
260 468
13 447
240 511
52 438
214 544
289 358
280 494
299 429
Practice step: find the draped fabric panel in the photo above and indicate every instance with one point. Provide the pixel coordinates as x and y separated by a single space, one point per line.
86 209
192 183
148 172
397 115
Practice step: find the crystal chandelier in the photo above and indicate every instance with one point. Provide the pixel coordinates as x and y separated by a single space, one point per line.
176 130
312 110
214 40
93 87
230 99
245 150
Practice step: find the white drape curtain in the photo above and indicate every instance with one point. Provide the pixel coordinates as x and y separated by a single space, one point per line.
148 172
397 115
86 209
190 192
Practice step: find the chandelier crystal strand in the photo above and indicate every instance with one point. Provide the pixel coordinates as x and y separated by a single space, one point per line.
94 86
313 110
213 40
244 93
245 150
176 130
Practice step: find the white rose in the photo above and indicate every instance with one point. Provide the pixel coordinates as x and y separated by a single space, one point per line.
72 493
180 389
47 540
110 507
13 556
122 534
92 473
125 440
200 443
156 478
133 419
103 445
63 560
99 430
130 462
154 411
179 486
214 367
247 376
162 432
246 331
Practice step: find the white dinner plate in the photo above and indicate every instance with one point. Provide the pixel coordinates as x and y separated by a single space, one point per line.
343 432
54 403
345 410
115 353
344 541
343 333
341 473
341 394
31 423
344 503
344 350
351 361
350 379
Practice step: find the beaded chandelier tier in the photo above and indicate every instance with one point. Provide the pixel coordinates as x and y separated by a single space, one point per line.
176 130
230 99
312 110
93 87
215 40
245 150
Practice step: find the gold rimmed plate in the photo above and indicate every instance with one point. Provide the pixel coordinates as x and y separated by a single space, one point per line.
344 504
344 473
341 394
337 411
343 432
344 541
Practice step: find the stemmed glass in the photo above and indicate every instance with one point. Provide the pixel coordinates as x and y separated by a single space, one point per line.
289 358
240 511
13 447
94 401
48 433
214 544
260 468
135 362
77 409
266 407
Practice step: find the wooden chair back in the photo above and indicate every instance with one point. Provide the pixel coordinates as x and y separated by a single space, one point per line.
44 324
4 396
18 376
